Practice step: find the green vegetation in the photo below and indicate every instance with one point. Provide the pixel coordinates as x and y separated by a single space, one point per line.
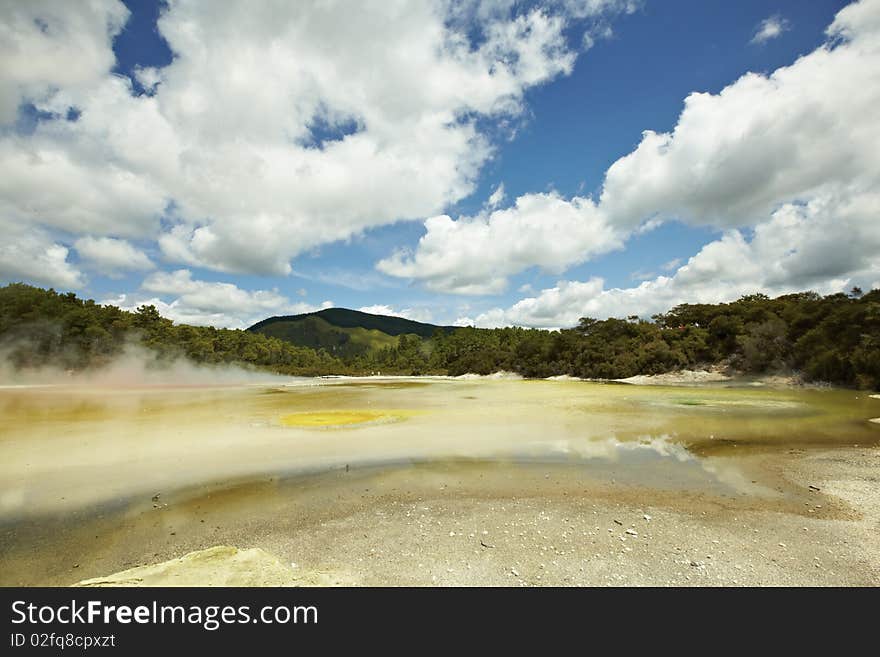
834 338
41 328
320 330
342 318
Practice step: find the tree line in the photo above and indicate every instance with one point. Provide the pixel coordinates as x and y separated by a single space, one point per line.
45 328
833 338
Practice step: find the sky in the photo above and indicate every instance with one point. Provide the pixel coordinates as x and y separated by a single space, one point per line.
470 163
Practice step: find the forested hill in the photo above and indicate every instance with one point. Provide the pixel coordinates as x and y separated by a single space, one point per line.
834 338
345 333
345 318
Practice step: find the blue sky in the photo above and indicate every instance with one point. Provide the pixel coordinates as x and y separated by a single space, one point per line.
232 228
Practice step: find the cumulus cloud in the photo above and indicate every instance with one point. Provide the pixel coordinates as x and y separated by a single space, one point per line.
415 314
269 133
804 131
46 45
827 245
111 256
770 28
475 255
802 143
30 254
209 303
43 183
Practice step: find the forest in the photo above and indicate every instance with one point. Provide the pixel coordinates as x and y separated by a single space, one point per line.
45 328
834 339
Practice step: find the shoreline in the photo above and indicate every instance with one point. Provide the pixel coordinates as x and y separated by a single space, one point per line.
708 377
552 532
685 378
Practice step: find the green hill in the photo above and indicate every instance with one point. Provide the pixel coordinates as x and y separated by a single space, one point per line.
344 332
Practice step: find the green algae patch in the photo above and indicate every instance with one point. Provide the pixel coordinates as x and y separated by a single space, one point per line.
344 419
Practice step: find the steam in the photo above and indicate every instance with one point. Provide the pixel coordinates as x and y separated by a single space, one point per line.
135 365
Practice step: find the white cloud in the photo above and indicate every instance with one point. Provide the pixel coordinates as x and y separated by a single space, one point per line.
415 314
228 145
496 197
804 131
270 132
555 307
770 28
31 255
475 255
90 192
210 303
46 45
641 275
207 295
827 246
804 138
111 256
149 78
600 28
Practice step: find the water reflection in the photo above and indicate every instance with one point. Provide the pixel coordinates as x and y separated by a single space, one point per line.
65 448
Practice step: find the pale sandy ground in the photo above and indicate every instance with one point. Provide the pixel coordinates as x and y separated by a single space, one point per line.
718 375
677 378
555 531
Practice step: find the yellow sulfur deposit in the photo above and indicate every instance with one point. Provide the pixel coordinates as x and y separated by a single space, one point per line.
321 419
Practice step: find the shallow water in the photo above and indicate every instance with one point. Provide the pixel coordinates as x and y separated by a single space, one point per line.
94 480
65 448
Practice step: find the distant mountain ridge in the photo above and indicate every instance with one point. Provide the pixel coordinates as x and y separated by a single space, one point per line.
345 318
342 331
